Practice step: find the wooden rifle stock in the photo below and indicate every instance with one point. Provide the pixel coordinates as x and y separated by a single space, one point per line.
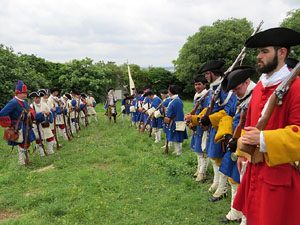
55 133
276 99
150 116
67 133
69 123
78 116
238 130
167 142
140 122
85 111
27 163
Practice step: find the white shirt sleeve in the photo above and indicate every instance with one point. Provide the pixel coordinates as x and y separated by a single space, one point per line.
262 142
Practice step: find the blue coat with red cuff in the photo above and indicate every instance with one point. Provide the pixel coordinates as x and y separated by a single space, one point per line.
9 116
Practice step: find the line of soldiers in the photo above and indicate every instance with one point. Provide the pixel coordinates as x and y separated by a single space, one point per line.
40 120
249 132
153 113
265 181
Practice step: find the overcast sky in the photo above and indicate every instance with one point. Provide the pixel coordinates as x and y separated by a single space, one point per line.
146 32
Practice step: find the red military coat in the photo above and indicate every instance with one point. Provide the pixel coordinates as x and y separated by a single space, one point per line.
269 193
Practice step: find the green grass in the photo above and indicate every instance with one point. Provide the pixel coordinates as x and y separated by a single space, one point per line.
106 175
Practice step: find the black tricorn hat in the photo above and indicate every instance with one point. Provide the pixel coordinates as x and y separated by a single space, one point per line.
54 89
199 78
109 89
163 91
237 76
74 91
68 96
291 62
278 36
36 94
148 93
147 87
140 92
213 65
43 92
83 95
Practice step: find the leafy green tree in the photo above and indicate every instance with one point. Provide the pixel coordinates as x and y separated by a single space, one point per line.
292 21
223 40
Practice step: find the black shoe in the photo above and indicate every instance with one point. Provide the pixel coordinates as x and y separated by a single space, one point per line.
225 220
215 199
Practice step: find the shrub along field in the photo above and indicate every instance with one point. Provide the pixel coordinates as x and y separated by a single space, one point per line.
106 175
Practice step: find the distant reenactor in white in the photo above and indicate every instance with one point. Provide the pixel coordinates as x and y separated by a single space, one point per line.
91 104
175 120
110 105
83 111
73 110
56 105
67 98
41 124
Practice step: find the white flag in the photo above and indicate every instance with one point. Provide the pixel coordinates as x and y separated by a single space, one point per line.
131 83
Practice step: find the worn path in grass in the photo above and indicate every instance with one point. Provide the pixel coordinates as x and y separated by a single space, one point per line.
106 175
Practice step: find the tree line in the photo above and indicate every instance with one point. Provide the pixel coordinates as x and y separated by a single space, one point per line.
223 39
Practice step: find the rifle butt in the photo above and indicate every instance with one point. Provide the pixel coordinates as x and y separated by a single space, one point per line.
167 148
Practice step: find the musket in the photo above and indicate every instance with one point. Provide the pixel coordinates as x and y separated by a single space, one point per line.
39 133
167 142
139 127
64 118
27 163
69 122
78 111
215 97
276 99
85 111
150 116
197 106
55 134
238 129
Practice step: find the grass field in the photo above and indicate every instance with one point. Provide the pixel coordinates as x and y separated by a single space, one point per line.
106 175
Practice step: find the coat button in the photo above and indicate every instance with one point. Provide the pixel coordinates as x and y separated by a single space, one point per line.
295 129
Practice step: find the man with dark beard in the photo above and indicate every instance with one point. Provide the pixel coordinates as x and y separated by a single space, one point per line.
269 192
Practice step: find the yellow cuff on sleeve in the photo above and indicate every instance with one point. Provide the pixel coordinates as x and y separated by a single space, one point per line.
225 127
195 118
216 117
282 145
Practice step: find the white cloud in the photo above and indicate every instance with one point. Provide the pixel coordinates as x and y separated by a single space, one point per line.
147 32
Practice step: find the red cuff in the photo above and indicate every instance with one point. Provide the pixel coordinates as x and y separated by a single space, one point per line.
5 121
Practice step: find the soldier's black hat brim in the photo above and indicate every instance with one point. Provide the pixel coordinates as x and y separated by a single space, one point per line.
54 90
74 91
148 93
34 95
68 96
163 91
277 36
237 76
212 65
